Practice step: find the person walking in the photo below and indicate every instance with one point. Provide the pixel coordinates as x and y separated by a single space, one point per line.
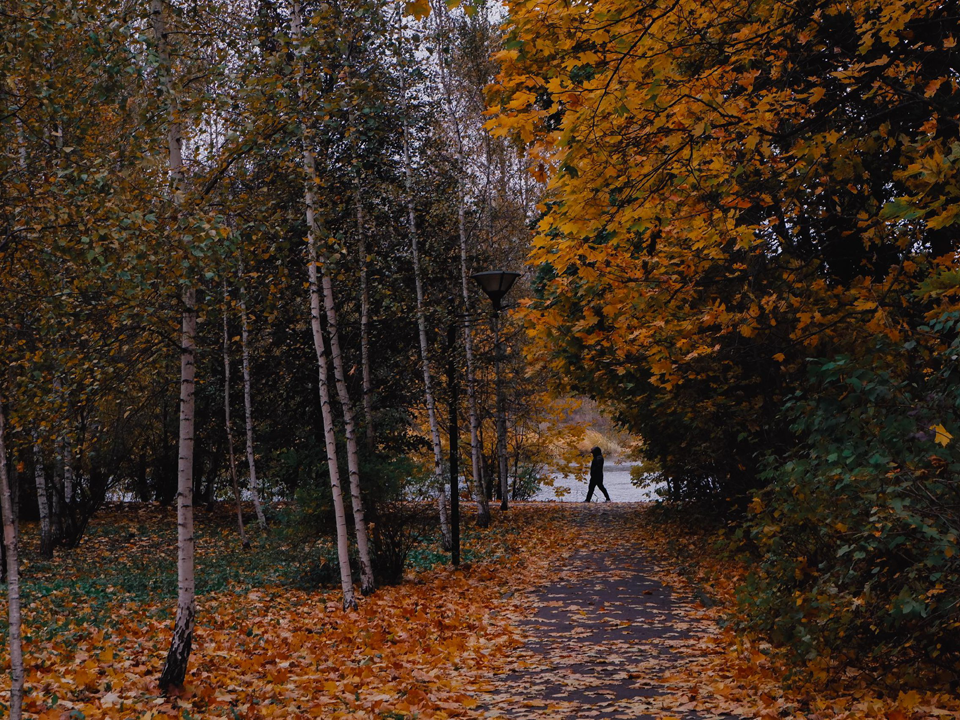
596 475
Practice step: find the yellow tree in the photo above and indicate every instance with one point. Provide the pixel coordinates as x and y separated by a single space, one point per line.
732 188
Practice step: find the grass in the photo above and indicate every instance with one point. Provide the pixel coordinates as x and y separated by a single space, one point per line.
128 557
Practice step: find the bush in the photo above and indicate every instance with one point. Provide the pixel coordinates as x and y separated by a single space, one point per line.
526 483
857 530
395 529
396 518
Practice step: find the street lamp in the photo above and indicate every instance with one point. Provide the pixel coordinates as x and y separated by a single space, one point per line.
496 284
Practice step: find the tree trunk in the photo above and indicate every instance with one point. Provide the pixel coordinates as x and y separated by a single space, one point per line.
343 542
68 475
501 414
424 350
365 330
367 584
175 668
43 501
244 543
13 581
310 174
483 508
248 407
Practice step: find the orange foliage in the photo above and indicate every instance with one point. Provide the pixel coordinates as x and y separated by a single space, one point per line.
732 189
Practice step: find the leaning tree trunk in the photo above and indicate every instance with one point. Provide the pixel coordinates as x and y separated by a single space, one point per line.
244 543
175 668
367 584
424 351
248 407
343 542
309 198
13 581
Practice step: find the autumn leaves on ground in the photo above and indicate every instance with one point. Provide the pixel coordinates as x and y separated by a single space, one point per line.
445 643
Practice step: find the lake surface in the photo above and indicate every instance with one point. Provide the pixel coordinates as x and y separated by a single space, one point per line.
616 478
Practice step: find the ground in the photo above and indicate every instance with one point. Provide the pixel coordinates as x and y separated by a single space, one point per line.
568 611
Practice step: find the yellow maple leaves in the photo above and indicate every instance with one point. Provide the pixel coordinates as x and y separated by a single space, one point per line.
941 435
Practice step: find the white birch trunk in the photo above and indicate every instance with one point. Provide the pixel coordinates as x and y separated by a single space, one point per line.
483 507
367 584
175 668
244 543
14 644
309 197
68 478
56 497
343 543
424 350
43 500
365 329
248 407
480 495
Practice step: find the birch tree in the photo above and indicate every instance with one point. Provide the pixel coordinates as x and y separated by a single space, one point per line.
43 500
424 347
248 403
367 584
367 376
175 668
244 543
453 115
309 199
14 644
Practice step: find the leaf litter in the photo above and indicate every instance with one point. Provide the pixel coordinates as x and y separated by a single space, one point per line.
567 611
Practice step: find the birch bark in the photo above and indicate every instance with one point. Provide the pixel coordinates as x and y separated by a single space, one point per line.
43 500
248 406
370 434
367 584
424 349
175 667
13 581
68 476
244 543
483 507
309 198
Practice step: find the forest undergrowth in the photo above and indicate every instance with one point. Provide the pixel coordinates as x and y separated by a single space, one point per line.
97 621
270 643
750 677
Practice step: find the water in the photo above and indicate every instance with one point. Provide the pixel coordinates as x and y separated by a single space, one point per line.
616 478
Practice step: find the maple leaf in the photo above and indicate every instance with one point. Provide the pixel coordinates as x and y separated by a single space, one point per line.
941 436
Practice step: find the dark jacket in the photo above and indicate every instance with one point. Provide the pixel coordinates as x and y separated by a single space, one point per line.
596 468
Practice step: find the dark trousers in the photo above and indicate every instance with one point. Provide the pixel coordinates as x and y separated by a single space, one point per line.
597 484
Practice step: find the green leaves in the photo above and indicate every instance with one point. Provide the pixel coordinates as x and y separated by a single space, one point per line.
865 501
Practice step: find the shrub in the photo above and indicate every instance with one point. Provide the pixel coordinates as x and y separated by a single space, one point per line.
526 483
397 518
395 529
857 529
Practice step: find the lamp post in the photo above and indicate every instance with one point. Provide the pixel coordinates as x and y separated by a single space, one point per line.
496 284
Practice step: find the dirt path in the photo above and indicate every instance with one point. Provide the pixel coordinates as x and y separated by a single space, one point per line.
607 639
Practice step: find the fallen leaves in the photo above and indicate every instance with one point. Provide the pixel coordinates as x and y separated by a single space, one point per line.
574 612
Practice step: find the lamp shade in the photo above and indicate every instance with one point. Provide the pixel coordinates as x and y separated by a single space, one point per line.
496 284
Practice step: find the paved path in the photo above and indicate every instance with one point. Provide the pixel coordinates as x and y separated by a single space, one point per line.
607 638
